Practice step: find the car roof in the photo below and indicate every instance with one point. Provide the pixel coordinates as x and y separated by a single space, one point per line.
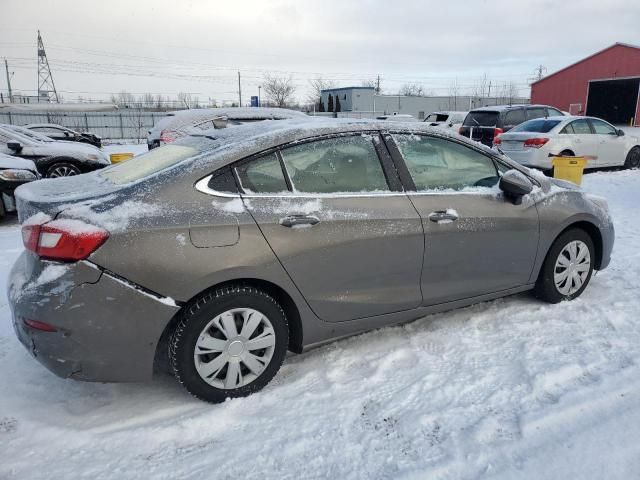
504 108
48 125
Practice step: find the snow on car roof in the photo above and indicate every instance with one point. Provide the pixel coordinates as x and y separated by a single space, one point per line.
184 118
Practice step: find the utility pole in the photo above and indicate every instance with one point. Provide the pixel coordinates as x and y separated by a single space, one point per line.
239 91
46 87
378 86
489 93
6 67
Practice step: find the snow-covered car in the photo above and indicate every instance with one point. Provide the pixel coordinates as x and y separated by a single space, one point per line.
226 249
58 132
52 158
183 122
536 142
446 119
14 172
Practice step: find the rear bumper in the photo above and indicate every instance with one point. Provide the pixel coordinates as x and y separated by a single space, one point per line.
107 329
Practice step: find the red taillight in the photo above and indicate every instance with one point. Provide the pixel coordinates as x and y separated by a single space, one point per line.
167 136
37 325
497 131
535 142
64 239
497 141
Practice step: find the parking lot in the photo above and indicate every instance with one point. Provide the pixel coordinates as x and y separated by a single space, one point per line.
512 388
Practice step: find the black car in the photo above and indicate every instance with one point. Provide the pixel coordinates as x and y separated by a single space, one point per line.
14 172
484 124
58 132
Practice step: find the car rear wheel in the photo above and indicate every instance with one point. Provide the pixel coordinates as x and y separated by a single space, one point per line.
568 267
633 158
229 343
62 169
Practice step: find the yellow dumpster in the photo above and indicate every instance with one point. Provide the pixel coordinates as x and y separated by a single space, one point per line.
569 168
120 157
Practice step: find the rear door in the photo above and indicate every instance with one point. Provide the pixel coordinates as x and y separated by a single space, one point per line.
611 147
476 242
513 118
335 217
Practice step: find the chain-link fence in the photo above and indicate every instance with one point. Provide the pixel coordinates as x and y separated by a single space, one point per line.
130 124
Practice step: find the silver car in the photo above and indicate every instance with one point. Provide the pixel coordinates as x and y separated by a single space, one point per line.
224 250
536 142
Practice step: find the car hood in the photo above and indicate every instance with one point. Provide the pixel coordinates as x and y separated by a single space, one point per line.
83 149
7 161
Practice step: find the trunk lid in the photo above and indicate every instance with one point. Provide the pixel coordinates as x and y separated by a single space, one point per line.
51 196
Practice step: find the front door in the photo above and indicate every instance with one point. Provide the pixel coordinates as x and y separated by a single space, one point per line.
352 246
476 241
611 147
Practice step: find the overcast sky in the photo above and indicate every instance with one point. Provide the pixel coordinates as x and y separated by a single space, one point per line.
197 46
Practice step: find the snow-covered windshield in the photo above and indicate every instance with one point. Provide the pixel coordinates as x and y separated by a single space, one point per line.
147 164
539 125
38 137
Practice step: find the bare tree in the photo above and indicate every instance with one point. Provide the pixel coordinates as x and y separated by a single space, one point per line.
185 99
125 99
481 88
412 90
278 90
316 86
148 100
454 93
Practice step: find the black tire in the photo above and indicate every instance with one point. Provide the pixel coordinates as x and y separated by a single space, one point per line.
633 159
195 319
56 170
545 288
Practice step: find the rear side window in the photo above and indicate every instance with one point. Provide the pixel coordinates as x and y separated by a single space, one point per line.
147 164
437 164
481 119
539 126
513 117
262 175
581 127
342 164
568 129
554 113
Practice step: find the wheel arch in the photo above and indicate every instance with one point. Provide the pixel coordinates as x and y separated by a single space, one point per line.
594 233
281 296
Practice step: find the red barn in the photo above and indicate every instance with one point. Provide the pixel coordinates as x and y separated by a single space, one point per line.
604 85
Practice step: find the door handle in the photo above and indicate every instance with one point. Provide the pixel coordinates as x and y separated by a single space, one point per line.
293 220
442 216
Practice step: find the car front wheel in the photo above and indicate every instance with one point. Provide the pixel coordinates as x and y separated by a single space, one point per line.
230 343
62 169
568 267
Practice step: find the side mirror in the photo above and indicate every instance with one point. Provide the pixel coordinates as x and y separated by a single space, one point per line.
515 185
14 146
620 132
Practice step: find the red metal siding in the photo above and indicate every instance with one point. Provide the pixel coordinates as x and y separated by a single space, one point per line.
571 85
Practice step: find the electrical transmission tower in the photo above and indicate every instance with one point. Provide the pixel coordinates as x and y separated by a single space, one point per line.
46 87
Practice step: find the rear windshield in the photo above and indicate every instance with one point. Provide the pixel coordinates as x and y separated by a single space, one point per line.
147 164
539 125
481 119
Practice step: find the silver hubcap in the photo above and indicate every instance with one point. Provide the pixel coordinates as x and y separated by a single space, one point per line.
234 348
63 171
572 267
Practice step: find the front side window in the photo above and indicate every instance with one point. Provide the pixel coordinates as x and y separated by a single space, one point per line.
581 127
536 113
438 164
603 128
335 165
262 175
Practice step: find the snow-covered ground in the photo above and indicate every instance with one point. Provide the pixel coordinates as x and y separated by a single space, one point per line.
512 388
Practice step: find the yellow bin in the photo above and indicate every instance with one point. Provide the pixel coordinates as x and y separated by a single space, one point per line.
569 168
120 157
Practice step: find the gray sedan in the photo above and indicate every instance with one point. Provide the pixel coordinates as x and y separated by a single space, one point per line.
224 250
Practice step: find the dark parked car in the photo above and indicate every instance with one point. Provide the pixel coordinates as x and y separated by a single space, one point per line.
484 124
53 158
14 172
225 249
58 132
